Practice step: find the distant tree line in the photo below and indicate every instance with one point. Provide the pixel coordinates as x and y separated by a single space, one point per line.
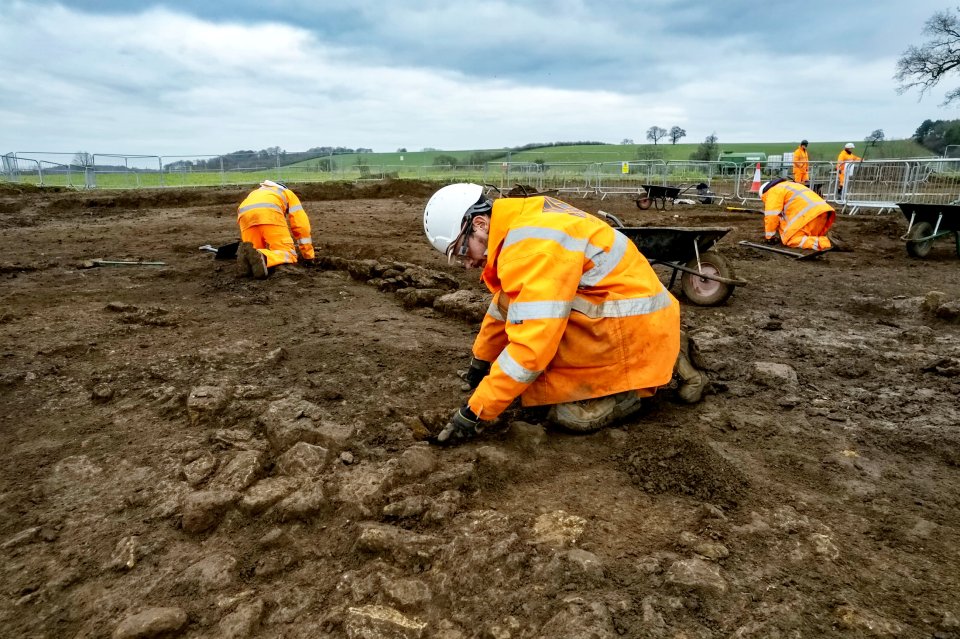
937 135
265 157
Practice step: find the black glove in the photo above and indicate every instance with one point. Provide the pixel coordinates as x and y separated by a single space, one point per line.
308 263
773 240
462 426
475 374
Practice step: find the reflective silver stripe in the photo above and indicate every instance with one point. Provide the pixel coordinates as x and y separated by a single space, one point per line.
623 308
816 244
298 207
305 240
261 205
515 371
769 213
494 311
803 238
803 195
769 234
603 262
520 311
565 240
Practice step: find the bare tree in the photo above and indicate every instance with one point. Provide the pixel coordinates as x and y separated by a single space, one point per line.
875 138
675 134
82 158
923 67
655 133
626 141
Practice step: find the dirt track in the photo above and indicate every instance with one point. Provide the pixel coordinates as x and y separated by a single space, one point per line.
151 420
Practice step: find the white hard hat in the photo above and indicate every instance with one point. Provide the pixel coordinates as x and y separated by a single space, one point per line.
849 145
448 210
763 187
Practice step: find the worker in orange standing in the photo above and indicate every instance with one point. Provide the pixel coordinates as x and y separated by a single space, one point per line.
800 216
273 226
846 155
579 320
801 164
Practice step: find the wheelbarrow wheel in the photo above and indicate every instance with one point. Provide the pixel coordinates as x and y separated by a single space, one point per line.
706 292
917 247
644 203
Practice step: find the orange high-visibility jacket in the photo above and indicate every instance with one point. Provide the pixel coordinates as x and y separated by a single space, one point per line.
277 206
788 207
801 165
577 312
842 160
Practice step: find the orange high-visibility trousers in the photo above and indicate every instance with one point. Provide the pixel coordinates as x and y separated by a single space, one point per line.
273 240
813 235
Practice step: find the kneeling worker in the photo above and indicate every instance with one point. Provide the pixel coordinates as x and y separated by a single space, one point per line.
579 320
800 216
267 217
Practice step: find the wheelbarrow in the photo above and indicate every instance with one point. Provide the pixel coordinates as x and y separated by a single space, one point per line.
707 279
657 195
927 222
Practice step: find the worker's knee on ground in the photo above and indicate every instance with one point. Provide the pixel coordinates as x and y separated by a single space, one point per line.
588 415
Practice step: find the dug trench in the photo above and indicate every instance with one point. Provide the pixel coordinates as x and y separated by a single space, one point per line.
187 453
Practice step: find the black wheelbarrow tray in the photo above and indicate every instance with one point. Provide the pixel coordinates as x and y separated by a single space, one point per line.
927 222
707 279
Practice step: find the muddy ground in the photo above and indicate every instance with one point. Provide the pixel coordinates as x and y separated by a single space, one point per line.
189 453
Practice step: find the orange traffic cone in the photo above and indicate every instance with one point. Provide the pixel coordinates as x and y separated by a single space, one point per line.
755 187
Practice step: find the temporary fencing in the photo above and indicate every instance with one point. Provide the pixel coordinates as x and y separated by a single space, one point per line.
869 184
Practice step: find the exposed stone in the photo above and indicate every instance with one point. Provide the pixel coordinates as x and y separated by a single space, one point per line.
411 297
242 622
949 312
932 300
774 375
412 506
240 472
126 553
212 573
465 304
558 528
415 462
346 457
494 462
203 510
403 546
102 393
824 546
363 488
407 593
528 437
199 469
266 493
452 477
579 619
444 506
153 622
288 421
22 538
205 403
697 575
304 504
381 622
870 624
302 460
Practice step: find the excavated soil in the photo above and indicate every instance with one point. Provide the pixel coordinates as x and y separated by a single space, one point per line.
187 453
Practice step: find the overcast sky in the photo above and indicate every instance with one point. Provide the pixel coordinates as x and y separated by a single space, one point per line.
190 77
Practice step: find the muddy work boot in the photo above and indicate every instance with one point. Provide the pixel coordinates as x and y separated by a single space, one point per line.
250 261
689 369
588 415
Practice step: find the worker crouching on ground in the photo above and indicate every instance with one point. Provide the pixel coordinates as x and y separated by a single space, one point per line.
800 216
273 226
579 320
